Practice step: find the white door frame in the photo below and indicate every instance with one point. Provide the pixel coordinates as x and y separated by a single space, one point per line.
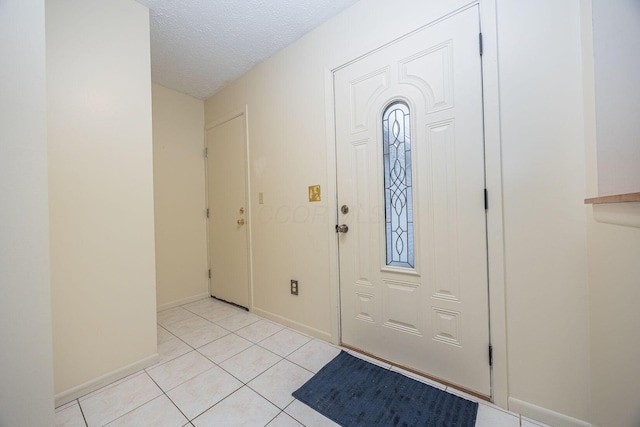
241 112
493 171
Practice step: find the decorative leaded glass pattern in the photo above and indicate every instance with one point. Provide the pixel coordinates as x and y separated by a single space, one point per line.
398 199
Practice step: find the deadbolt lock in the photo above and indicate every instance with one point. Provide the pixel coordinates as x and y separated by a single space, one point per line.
344 209
241 210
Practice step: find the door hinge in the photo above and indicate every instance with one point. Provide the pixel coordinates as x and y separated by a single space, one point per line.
480 43
209 273
206 152
486 199
490 355
207 212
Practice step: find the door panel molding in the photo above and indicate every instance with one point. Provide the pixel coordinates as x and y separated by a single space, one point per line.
493 165
221 120
432 175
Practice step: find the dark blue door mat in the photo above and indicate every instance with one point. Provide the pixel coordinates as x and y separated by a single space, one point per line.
355 393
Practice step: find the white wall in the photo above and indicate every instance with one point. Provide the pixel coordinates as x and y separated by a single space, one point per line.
101 191
545 219
614 280
616 48
614 271
26 368
288 152
543 157
179 197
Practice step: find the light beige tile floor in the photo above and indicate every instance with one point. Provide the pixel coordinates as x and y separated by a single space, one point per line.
222 366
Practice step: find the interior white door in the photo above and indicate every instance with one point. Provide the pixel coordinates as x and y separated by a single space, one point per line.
228 248
410 158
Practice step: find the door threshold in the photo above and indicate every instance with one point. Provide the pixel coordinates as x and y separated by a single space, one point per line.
422 374
230 303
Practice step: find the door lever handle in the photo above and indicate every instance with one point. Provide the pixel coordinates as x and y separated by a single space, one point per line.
342 228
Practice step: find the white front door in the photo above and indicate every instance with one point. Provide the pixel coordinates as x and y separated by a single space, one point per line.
226 172
410 154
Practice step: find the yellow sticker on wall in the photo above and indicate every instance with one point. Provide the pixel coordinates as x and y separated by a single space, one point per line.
314 193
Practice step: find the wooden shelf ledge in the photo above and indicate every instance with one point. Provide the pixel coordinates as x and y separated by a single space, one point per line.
616 198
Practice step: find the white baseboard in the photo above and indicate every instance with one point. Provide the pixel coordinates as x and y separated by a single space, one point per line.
93 385
326 336
183 301
544 415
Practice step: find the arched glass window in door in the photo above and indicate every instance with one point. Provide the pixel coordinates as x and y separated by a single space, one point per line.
398 200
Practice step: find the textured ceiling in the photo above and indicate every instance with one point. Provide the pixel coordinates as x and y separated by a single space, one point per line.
200 46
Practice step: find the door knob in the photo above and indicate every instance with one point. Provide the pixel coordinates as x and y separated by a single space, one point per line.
342 228
241 221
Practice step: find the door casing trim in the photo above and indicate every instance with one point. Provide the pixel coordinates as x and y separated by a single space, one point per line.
493 176
244 111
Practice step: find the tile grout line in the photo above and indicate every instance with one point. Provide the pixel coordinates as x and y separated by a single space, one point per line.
288 354
112 384
278 414
292 417
261 372
235 354
266 398
299 366
286 357
254 344
141 405
246 384
190 346
170 400
82 413
215 404
173 335
258 344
